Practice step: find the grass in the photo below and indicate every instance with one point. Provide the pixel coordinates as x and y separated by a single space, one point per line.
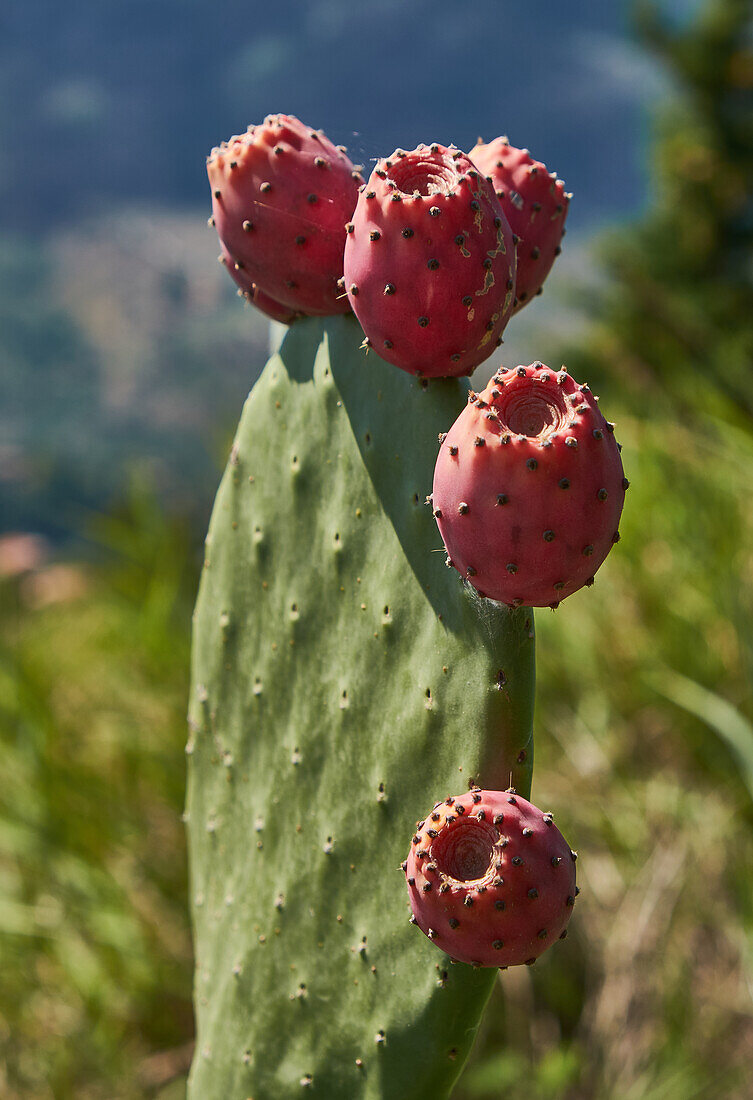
645 753
97 957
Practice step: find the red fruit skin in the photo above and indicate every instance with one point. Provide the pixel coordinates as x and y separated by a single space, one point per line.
251 292
430 262
273 309
281 194
535 204
529 518
521 885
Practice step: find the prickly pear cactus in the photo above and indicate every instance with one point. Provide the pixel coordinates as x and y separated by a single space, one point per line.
343 680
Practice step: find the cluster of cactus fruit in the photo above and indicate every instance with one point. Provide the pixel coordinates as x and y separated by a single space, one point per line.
433 254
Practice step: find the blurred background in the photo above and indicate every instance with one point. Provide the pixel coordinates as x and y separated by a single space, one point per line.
124 359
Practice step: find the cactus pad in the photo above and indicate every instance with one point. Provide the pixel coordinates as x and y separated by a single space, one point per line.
343 680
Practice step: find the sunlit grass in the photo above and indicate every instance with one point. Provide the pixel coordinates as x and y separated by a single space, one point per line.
644 752
96 971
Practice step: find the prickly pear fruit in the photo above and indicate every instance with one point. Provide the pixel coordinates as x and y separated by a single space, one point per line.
268 305
430 262
535 204
529 487
281 194
491 879
251 292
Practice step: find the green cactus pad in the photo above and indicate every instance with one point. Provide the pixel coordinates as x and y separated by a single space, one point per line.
343 682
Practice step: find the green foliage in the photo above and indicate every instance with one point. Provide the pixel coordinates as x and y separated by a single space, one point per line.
93 925
343 682
676 319
643 721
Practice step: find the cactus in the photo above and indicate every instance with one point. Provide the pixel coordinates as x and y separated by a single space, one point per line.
343 679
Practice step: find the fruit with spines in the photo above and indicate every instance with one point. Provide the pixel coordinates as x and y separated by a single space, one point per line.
275 310
281 194
529 487
535 203
491 879
430 262
253 294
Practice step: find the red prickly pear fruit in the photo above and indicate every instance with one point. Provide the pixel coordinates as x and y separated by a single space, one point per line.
281 194
529 487
251 292
491 879
535 204
273 309
430 262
